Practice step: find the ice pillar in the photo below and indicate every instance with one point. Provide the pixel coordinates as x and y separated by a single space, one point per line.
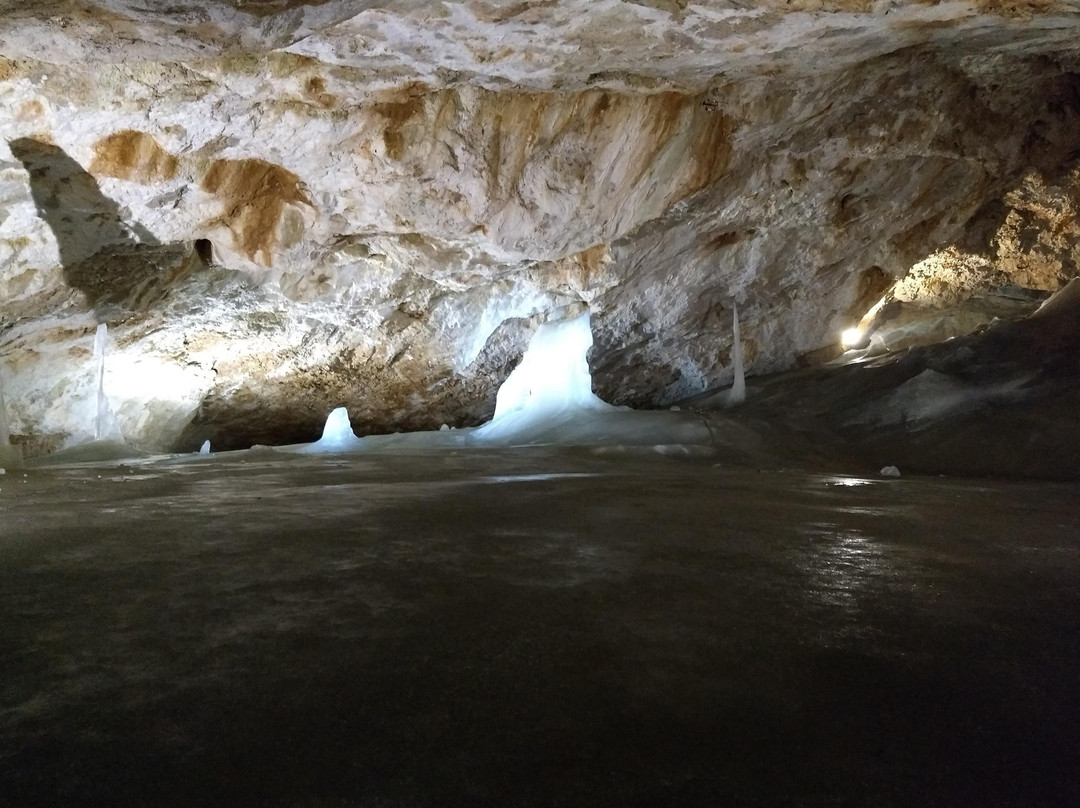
5 432
10 456
105 426
738 384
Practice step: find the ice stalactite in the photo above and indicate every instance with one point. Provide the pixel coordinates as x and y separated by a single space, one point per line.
105 426
737 395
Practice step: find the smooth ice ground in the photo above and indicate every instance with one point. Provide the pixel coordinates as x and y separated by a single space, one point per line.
535 627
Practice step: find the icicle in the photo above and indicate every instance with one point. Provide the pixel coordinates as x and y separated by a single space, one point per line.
105 427
102 401
5 432
737 395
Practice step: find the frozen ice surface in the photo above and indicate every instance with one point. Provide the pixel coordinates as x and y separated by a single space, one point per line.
96 451
10 457
932 395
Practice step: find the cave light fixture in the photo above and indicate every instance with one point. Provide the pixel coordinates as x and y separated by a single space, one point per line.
858 336
851 338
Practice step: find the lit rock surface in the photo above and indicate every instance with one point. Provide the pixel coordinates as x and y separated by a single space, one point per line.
280 208
1014 253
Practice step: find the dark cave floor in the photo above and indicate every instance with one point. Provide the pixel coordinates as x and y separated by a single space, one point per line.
534 627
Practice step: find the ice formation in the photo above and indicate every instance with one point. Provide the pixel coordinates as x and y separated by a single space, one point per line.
337 435
205 448
548 391
547 399
5 433
105 426
738 384
9 455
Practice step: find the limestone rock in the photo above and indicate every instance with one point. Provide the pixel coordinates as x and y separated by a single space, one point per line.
284 207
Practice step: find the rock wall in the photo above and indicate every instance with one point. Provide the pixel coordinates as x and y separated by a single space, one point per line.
279 208
1013 253
1029 238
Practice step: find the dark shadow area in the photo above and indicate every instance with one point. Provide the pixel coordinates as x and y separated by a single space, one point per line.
70 201
103 256
1000 402
204 248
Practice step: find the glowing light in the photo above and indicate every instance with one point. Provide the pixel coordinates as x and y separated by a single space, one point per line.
851 337
849 482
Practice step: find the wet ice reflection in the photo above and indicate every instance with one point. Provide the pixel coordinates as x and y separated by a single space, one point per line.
844 567
850 482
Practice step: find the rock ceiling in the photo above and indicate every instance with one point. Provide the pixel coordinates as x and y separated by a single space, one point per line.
282 207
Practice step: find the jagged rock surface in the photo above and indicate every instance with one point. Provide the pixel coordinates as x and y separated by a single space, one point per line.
282 207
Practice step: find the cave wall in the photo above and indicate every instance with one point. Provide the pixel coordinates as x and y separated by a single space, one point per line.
1029 238
396 195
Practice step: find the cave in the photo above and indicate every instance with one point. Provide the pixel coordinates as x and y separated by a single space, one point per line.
554 402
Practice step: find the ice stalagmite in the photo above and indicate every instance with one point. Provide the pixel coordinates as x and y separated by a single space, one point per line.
738 384
337 435
106 426
548 399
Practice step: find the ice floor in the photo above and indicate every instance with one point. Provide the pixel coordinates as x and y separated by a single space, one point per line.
534 627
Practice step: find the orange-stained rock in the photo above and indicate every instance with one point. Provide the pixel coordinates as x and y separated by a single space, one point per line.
254 197
134 156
